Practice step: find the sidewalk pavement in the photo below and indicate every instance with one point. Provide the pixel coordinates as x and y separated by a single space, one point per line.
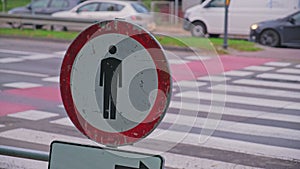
282 53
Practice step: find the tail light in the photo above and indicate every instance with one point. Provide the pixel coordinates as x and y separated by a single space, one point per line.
134 17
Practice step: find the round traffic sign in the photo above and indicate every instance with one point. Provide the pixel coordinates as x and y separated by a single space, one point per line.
115 82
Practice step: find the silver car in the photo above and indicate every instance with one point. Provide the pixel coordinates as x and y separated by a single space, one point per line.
105 10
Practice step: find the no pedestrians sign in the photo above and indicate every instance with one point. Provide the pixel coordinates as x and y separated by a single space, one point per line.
115 82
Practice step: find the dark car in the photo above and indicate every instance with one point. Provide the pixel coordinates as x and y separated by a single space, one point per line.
280 32
43 7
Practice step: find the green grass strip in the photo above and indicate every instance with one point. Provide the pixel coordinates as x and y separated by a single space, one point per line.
209 44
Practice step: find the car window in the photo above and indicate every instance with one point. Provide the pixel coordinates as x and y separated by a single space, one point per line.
110 7
297 18
88 7
216 3
39 4
119 7
139 8
59 4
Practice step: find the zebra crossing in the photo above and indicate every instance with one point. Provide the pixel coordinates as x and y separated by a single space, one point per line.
246 118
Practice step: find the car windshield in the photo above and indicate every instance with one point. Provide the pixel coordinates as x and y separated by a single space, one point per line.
140 8
39 4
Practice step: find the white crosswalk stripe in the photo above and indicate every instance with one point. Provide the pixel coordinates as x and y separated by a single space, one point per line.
41 137
238 73
239 99
254 82
33 115
23 73
220 78
21 85
259 68
235 127
257 91
52 79
278 64
274 76
190 84
176 160
289 70
234 112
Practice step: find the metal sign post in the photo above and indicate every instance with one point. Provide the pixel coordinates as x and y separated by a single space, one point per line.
3 6
225 44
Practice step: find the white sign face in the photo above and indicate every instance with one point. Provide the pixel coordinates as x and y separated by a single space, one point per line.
125 94
75 156
115 83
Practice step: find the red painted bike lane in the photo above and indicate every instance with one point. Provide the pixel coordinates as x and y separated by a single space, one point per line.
214 66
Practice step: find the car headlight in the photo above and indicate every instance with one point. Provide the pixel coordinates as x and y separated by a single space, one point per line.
187 14
254 26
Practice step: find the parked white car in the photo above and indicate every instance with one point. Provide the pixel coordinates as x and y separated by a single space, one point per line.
208 17
106 10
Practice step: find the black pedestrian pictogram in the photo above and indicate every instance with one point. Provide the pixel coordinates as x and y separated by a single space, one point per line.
110 73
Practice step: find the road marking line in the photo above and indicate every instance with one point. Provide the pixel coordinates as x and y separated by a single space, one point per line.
38 57
181 161
60 53
61 106
274 76
278 64
23 73
259 68
256 90
233 127
190 84
289 70
33 115
63 121
41 137
222 125
197 57
293 106
267 83
11 60
21 85
52 79
297 66
214 78
45 138
17 52
238 99
177 61
228 144
234 112
238 73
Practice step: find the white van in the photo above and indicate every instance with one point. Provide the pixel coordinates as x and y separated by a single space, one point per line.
208 17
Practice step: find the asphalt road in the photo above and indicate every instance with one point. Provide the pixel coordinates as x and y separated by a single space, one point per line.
249 118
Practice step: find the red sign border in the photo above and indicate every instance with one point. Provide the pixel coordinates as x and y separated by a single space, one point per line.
164 83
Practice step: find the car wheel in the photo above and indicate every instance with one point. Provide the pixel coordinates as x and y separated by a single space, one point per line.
198 29
64 28
214 35
38 26
269 38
